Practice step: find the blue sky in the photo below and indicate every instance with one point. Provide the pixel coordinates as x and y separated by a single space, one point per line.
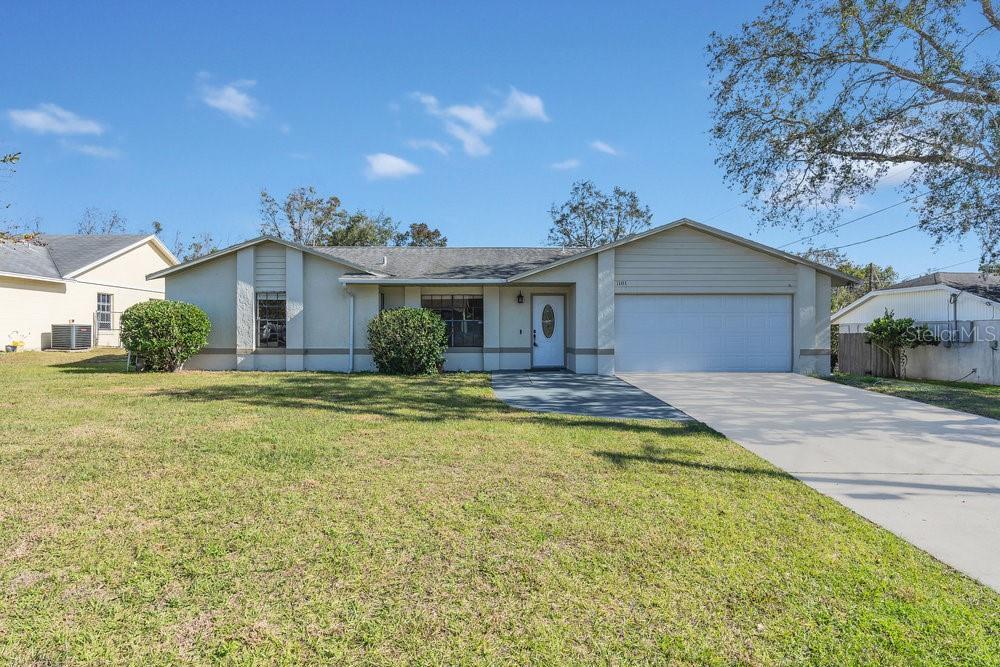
472 118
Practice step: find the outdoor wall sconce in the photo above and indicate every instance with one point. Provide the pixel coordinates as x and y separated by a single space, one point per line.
520 297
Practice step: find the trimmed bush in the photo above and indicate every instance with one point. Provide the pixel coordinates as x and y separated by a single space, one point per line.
164 334
408 341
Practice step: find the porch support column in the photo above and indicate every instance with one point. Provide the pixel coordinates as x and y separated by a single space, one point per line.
295 330
366 302
245 309
411 296
491 327
606 312
804 320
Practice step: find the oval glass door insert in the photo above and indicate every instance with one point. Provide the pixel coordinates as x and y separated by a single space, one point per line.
548 321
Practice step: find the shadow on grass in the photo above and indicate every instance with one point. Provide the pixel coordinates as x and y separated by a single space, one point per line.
419 399
655 456
104 363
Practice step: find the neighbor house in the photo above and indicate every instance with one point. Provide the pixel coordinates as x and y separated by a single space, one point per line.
81 279
680 297
963 309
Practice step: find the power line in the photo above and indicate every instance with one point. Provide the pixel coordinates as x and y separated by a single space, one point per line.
719 215
874 238
900 231
974 259
857 219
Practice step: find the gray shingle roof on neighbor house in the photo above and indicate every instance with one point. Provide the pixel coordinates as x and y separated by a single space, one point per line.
986 286
449 263
58 255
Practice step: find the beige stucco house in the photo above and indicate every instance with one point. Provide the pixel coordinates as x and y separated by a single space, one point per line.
81 279
680 297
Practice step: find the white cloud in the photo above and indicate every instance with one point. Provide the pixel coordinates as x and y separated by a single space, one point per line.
898 174
285 128
231 99
565 165
428 144
53 119
94 150
603 147
472 143
471 124
521 105
475 117
384 165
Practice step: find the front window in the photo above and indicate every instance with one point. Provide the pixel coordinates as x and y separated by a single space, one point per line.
105 309
462 315
271 319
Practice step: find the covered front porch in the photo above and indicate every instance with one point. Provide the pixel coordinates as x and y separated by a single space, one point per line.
500 327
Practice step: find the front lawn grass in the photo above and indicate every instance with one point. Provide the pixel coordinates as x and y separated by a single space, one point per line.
979 399
278 518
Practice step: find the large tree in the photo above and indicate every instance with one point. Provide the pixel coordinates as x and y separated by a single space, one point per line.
818 102
420 235
303 217
590 218
307 218
359 229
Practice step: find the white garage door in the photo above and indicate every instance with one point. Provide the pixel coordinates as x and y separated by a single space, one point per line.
698 332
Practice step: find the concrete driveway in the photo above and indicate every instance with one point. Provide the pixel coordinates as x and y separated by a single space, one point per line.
930 475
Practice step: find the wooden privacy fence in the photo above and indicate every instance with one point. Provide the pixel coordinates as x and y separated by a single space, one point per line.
856 355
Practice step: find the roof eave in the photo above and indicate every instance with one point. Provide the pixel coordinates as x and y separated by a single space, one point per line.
31 276
381 280
260 239
889 290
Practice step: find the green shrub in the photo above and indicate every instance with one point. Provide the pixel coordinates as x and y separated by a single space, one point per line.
164 334
410 341
895 336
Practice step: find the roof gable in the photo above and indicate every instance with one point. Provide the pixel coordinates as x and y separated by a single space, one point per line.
64 256
983 286
839 278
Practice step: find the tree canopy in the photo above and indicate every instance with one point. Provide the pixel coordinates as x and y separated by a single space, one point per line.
817 102
591 218
304 217
311 219
872 276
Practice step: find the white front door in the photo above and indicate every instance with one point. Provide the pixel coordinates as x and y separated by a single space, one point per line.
548 332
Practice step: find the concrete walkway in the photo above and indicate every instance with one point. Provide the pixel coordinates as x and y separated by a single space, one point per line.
930 475
590 395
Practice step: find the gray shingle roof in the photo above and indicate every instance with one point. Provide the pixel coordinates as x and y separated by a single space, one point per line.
75 251
449 263
986 286
57 255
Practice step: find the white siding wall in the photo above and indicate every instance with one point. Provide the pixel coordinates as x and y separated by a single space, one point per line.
930 305
685 260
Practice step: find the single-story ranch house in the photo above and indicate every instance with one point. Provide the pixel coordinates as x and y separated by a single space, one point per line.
680 297
87 279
